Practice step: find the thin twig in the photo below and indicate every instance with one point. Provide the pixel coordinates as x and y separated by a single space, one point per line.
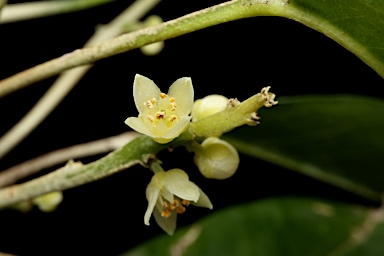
64 84
2 4
25 11
198 20
74 174
20 171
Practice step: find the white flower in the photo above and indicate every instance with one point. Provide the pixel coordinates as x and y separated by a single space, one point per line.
161 116
168 193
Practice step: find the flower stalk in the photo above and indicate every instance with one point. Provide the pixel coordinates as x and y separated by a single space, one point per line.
236 114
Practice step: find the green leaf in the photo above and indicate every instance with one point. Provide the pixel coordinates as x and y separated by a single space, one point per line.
357 25
284 226
337 139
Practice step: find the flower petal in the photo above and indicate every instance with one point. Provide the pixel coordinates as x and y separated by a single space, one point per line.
167 224
167 195
179 128
182 91
144 89
152 193
203 201
177 183
138 125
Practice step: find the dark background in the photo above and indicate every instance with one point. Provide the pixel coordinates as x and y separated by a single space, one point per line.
235 59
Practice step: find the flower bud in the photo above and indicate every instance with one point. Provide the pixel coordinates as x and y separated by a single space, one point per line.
155 48
216 159
208 105
48 202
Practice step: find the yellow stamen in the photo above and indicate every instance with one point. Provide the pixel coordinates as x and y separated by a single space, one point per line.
153 100
172 118
160 115
165 213
174 204
173 105
180 209
171 99
185 202
163 95
148 104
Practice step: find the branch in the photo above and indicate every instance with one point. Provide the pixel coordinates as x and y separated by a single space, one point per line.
2 4
221 13
138 151
64 84
37 164
24 11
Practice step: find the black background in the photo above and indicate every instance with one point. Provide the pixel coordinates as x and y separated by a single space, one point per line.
235 59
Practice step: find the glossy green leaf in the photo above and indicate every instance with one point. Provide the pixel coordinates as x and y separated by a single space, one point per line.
336 139
358 25
284 226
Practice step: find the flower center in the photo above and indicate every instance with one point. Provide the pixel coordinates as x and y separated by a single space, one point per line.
177 206
161 113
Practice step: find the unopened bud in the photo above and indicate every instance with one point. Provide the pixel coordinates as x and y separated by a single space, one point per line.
208 105
48 202
216 159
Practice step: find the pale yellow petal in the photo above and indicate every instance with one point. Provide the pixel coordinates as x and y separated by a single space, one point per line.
203 201
179 128
182 91
152 193
138 125
162 140
144 89
167 195
177 183
167 224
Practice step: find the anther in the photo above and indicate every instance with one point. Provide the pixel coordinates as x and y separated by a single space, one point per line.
165 213
174 204
171 99
160 114
172 118
185 202
163 95
148 104
153 101
173 106
180 209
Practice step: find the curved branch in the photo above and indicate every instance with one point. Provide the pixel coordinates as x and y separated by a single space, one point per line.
50 159
67 80
138 151
2 4
24 11
221 13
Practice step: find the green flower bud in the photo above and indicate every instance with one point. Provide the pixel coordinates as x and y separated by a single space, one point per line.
216 159
155 48
208 105
48 202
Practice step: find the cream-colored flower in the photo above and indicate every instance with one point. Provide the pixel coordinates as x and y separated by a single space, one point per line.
168 193
161 116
